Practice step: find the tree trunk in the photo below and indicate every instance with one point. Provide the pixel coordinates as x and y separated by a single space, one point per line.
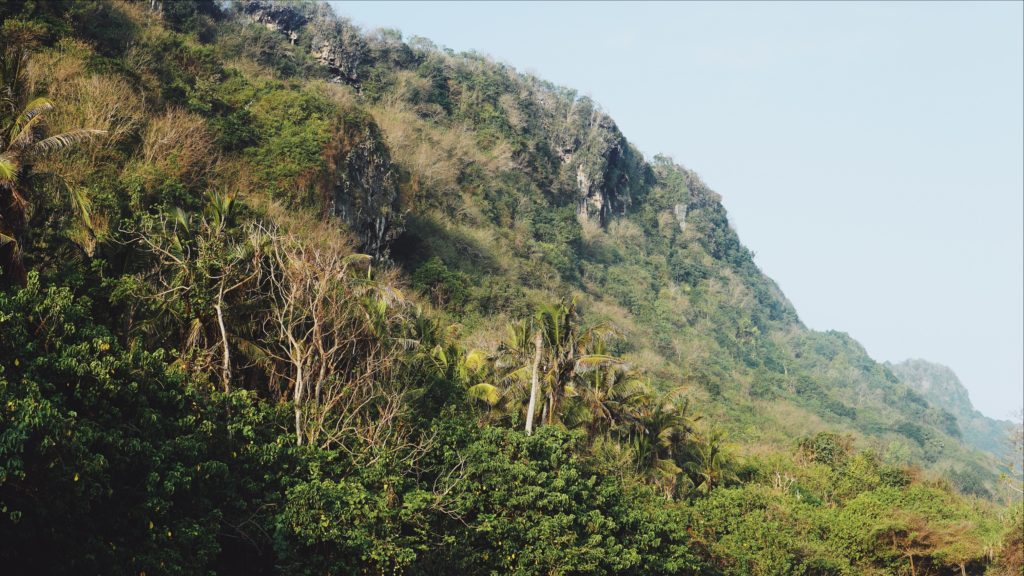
556 393
226 367
534 385
300 391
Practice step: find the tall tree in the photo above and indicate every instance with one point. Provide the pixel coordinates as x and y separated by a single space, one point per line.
23 143
569 350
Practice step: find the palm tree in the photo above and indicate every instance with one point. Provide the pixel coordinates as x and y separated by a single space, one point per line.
711 466
23 142
518 358
551 352
438 355
569 349
604 398
664 427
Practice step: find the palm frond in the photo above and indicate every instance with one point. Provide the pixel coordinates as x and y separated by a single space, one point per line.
592 362
476 360
29 117
66 140
8 169
521 374
256 353
194 334
82 205
485 393
357 259
407 344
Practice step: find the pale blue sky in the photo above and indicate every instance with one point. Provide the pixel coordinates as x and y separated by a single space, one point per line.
871 155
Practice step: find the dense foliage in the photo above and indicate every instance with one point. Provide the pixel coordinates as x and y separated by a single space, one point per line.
278 296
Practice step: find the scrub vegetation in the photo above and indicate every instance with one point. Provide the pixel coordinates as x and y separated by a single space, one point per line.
282 296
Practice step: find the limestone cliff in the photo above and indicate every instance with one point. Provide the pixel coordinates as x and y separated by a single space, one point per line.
360 184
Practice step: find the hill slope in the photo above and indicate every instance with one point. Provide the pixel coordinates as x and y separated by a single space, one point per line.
495 192
941 387
516 191
278 295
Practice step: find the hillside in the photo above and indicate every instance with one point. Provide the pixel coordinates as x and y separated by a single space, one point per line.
543 196
279 295
940 386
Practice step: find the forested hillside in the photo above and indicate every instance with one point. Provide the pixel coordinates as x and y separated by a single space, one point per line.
941 387
282 296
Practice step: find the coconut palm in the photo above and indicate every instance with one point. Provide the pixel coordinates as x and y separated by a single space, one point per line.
712 466
664 426
569 349
438 354
514 358
551 352
604 398
23 143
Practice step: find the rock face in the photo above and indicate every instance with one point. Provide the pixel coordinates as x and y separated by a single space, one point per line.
941 387
332 41
361 184
337 45
278 16
607 173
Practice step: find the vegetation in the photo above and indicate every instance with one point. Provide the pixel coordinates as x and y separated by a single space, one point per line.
281 296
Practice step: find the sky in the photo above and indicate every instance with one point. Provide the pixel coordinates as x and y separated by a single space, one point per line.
870 154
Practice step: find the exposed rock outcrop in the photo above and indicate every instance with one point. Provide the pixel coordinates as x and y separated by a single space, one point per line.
361 184
332 41
281 17
607 173
337 45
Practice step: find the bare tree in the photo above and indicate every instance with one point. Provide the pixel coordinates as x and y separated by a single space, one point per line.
334 337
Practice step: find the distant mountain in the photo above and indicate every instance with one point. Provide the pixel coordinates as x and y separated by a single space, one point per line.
942 388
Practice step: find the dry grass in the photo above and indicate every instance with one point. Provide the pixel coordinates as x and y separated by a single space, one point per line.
342 95
627 234
178 144
137 12
51 68
250 69
434 155
84 100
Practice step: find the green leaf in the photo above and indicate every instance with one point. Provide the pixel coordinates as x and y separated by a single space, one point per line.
485 393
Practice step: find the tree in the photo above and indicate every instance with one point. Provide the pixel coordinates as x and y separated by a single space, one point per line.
23 143
605 398
534 382
469 370
196 266
551 352
334 335
536 505
712 466
570 350
664 425
107 453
